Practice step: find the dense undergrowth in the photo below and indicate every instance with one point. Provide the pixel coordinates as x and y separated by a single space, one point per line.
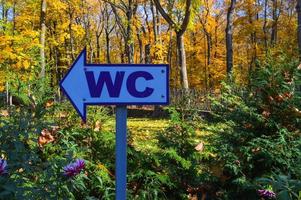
250 144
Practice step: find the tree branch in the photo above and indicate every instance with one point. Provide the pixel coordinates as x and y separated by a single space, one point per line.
164 14
186 18
116 6
119 22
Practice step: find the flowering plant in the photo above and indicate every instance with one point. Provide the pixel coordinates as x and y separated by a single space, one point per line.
75 168
3 165
267 194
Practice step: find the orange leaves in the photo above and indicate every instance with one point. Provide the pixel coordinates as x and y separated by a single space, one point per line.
47 136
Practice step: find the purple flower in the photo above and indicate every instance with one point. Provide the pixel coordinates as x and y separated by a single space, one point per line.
75 168
267 194
3 165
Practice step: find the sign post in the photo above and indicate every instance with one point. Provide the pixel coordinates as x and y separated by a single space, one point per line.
116 84
121 154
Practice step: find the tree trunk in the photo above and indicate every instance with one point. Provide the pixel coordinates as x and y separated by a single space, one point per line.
265 31
4 15
229 37
169 54
209 47
182 60
43 37
71 41
158 23
108 46
154 17
147 54
253 38
121 48
180 42
274 33
140 47
97 48
298 8
129 39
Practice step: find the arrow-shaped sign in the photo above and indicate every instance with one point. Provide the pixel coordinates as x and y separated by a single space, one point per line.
115 84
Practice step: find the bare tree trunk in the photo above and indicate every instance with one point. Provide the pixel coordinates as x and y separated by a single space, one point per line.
140 47
71 41
298 8
229 37
14 18
108 46
182 60
121 48
98 47
158 25
169 54
209 47
129 39
265 31
108 31
154 17
206 66
180 42
4 15
7 93
147 54
147 47
43 37
275 23
253 39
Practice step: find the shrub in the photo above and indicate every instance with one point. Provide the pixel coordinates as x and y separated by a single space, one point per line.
256 131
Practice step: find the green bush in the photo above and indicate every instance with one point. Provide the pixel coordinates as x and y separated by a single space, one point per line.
256 131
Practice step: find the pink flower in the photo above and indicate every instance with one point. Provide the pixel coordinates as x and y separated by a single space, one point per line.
75 168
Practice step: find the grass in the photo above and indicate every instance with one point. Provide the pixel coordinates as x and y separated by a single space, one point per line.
143 131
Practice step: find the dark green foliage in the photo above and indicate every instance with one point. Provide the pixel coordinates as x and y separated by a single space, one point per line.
178 157
256 131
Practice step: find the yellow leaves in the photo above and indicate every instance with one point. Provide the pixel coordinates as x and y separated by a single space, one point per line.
26 64
2 80
211 24
54 42
7 53
63 26
158 52
30 33
22 64
56 5
78 30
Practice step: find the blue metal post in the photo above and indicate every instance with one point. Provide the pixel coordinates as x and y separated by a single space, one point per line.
121 145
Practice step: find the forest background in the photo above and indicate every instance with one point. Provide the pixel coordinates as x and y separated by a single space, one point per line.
40 36
232 130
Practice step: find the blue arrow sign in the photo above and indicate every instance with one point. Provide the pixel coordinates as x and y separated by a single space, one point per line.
115 84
